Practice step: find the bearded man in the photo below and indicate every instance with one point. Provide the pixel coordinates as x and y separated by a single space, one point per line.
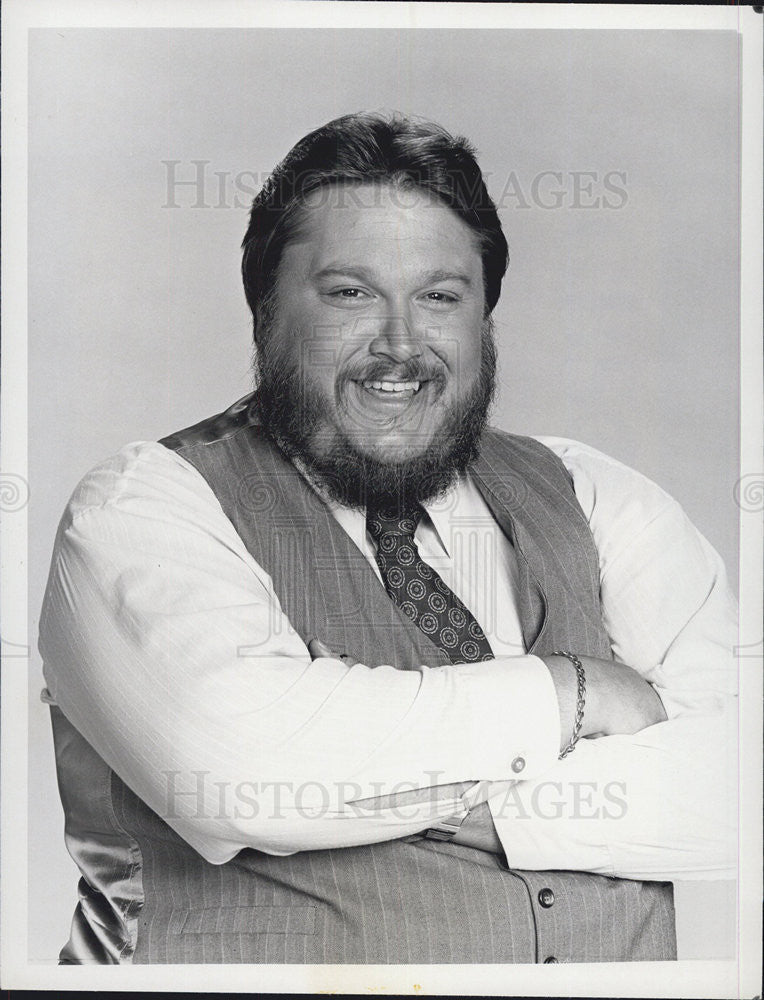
343 674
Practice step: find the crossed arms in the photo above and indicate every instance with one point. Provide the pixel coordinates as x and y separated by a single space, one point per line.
619 702
165 646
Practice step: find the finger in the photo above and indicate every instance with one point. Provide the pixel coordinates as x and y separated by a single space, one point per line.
316 648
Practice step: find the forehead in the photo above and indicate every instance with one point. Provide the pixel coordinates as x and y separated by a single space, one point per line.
382 224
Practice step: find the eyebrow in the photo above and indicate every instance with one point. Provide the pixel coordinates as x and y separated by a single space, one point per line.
362 274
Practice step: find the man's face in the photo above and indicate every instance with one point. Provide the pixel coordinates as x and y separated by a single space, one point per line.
378 332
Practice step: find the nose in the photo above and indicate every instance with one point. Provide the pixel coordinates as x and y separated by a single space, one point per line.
396 340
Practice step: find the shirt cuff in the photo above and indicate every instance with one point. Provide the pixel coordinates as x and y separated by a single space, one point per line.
514 717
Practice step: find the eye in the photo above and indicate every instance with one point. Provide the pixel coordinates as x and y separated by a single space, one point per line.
441 298
348 296
347 293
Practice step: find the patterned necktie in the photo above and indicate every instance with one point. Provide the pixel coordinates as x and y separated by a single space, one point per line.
418 590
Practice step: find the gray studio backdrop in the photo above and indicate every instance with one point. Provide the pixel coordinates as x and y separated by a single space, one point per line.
613 157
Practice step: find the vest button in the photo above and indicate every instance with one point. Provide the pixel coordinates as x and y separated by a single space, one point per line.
546 898
550 961
518 764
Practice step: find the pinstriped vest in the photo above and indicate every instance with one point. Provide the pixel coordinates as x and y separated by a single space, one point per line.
396 902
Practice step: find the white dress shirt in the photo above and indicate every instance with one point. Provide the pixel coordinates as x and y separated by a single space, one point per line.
165 645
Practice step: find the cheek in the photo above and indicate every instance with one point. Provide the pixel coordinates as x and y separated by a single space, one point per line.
322 344
293 341
464 347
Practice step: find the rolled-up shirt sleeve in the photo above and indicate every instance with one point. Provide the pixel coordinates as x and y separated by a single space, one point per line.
661 804
165 645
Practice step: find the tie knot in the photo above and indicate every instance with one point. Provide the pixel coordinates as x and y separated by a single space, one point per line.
386 520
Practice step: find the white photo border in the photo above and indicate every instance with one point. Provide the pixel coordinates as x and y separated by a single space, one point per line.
684 978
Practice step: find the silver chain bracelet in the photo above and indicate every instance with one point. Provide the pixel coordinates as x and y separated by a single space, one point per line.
580 701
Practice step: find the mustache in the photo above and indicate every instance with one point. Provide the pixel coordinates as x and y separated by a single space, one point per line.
413 370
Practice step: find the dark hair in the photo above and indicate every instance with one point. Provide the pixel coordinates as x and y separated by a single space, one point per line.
361 149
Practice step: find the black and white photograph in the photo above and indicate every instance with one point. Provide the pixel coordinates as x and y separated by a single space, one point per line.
382 499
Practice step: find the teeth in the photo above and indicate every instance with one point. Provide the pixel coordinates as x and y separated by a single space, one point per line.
392 386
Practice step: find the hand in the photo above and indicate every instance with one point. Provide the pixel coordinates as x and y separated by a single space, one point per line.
622 700
478 831
317 649
618 699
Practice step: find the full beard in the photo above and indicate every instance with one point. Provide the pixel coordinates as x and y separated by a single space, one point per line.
292 411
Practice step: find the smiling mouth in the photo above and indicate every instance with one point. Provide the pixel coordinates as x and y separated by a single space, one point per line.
401 390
